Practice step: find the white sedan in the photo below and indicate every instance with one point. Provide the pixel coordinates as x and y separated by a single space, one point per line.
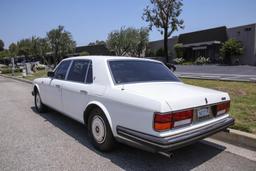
135 101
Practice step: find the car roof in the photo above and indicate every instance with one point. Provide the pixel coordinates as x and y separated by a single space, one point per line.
104 58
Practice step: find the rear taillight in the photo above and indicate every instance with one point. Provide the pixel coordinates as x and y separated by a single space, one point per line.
222 108
182 118
163 122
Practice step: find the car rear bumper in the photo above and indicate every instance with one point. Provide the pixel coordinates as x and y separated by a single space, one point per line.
165 144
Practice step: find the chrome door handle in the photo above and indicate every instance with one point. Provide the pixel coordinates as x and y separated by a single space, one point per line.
83 91
58 86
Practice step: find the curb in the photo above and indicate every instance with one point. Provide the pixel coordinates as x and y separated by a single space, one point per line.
235 137
18 79
238 138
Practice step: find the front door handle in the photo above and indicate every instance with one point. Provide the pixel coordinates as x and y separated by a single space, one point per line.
58 86
84 91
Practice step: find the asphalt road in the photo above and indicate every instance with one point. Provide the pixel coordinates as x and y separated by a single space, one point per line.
51 141
217 72
218 69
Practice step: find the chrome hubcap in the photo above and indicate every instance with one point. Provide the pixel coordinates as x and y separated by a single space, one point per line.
98 129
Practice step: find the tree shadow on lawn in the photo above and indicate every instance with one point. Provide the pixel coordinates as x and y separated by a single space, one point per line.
129 158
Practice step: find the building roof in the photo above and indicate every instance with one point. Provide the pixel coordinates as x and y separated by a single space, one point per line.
214 34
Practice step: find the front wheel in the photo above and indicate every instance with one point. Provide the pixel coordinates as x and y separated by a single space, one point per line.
100 131
40 107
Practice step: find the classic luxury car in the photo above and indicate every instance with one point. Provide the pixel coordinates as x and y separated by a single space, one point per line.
135 101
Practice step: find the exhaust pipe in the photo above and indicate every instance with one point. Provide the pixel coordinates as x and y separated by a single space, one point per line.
169 155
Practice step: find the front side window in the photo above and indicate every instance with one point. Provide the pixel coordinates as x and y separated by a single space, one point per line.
78 70
131 71
62 69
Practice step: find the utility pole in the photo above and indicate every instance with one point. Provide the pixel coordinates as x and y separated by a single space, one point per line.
13 65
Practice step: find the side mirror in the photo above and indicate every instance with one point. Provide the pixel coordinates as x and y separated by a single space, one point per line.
171 67
50 74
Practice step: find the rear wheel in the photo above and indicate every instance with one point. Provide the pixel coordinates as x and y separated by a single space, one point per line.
40 107
100 131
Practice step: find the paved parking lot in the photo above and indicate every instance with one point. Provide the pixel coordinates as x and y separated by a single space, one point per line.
51 141
218 72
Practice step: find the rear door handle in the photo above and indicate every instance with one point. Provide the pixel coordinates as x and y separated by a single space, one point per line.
58 86
84 91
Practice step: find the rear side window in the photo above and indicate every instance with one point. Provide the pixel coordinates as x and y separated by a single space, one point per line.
62 69
78 70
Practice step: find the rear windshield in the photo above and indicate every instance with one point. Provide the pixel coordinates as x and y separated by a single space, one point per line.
131 71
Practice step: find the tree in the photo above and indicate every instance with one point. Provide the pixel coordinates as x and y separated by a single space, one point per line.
97 42
13 49
1 45
4 53
128 41
61 43
24 47
142 41
230 51
164 15
84 53
178 50
39 48
44 48
35 46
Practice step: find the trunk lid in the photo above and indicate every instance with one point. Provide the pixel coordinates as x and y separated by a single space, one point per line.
177 95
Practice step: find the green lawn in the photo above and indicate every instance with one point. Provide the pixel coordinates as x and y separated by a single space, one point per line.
40 73
243 100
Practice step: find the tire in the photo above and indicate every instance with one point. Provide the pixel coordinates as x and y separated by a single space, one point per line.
40 107
99 131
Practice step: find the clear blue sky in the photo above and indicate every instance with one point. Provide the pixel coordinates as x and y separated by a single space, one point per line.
90 20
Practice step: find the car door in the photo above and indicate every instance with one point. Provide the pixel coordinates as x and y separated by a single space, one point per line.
54 88
77 88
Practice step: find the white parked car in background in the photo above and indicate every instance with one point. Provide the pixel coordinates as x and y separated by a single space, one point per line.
135 101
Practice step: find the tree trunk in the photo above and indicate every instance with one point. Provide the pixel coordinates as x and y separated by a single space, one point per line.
166 44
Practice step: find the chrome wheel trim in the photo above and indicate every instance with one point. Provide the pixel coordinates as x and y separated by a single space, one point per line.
98 129
38 101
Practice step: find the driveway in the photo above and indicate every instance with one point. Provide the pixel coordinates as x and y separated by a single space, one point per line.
218 72
51 141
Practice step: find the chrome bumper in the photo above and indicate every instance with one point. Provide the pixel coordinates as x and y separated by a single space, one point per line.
156 144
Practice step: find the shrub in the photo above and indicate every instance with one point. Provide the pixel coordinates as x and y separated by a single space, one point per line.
160 52
231 50
202 60
179 60
149 53
3 66
9 70
179 50
84 53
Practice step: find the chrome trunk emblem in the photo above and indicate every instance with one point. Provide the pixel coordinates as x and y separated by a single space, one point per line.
206 101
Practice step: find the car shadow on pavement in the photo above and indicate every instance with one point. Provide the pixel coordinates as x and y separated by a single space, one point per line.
129 158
